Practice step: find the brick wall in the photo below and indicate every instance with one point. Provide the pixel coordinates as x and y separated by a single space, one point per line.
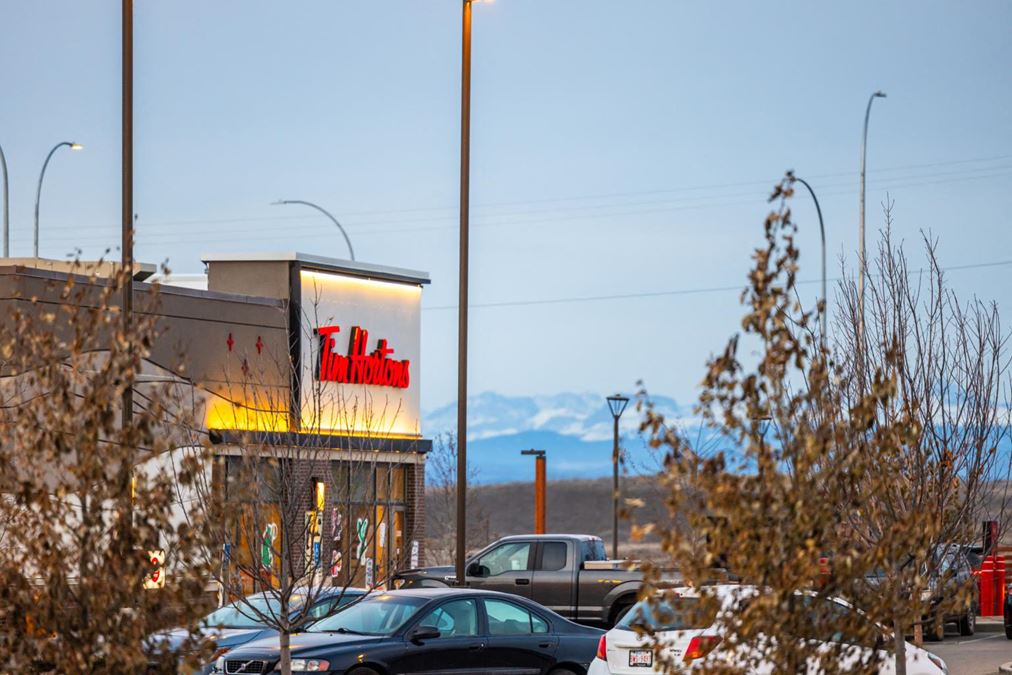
415 497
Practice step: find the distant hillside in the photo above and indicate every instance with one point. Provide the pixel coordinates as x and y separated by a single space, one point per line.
574 506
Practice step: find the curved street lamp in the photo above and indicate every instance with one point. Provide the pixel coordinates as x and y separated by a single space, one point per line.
861 262
324 212
822 231
7 207
616 404
38 190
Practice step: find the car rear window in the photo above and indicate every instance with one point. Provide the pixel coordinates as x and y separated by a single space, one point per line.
671 614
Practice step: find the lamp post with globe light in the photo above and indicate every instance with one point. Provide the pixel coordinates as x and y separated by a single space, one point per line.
616 404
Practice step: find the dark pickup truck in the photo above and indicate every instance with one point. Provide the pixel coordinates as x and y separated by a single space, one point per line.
568 573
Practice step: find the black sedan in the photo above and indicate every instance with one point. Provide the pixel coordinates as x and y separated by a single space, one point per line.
430 630
240 622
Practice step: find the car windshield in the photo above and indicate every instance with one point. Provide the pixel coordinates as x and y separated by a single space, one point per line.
379 615
246 613
673 614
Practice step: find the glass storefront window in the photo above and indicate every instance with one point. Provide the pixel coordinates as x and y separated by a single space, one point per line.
362 489
369 505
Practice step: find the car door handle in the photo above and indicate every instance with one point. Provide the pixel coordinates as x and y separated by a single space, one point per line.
522 582
476 647
544 645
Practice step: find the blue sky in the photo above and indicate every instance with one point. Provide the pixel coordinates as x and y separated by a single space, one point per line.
619 148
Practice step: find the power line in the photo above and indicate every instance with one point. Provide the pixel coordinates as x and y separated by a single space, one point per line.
683 291
834 189
600 196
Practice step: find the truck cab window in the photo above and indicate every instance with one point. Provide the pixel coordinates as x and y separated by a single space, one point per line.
553 556
511 557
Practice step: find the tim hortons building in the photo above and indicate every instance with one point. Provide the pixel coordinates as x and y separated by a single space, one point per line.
317 359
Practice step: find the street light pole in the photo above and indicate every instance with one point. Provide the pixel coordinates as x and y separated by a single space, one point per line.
325 212
38 189
616 404
126 259
539 488
822 232
7 207
861 261
465 187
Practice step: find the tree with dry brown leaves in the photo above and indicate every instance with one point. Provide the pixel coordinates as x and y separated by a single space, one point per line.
77 547
828 459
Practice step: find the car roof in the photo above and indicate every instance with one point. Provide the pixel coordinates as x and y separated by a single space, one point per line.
540 537
437 593
328 591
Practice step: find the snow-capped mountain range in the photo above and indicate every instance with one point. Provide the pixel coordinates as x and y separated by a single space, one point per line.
574 428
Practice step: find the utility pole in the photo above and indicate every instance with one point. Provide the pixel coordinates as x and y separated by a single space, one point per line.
465 187
127 246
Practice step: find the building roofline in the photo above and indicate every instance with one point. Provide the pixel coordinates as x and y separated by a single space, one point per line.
325 264
142 286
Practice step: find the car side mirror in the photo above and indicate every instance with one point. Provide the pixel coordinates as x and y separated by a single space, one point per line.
474 570
423 633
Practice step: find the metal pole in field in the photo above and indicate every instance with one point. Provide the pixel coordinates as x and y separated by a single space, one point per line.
465 169
861 259
7 207
616 404
822 232
539 494
539 488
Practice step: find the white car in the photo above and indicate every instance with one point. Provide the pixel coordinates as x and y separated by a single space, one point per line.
622 651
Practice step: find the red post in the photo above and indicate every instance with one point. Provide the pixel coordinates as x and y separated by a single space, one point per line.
539 494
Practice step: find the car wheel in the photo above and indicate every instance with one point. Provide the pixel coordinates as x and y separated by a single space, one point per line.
934 632
563 671
968 624
364 671
620 610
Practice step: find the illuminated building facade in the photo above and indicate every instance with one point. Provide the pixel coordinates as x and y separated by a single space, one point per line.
308 357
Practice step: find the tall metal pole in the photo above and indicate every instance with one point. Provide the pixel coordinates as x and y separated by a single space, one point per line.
465 172
38 188
822 232
127 254
7 207
614 495
861 259
325 212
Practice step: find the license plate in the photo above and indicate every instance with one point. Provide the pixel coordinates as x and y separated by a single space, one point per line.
641 658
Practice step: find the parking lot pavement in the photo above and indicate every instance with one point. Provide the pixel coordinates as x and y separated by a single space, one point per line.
976 655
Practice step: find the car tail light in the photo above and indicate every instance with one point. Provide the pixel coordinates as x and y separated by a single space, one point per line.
602 647
700 646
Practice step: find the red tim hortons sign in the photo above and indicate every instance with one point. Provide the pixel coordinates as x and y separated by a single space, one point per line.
359 367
